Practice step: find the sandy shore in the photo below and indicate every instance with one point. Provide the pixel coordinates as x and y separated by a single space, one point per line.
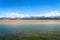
29 21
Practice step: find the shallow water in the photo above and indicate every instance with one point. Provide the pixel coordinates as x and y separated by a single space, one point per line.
49 31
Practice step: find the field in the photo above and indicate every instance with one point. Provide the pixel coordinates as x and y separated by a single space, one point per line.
29 21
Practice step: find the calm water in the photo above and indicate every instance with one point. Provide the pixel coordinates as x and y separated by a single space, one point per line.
45 30
29 27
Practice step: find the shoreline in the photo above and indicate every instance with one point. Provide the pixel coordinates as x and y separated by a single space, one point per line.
29 21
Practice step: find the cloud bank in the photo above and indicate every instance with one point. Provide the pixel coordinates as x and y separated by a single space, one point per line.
18 15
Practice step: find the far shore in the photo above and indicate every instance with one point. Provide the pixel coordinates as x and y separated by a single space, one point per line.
29 21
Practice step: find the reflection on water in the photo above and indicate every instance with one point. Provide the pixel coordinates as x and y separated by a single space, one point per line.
30 32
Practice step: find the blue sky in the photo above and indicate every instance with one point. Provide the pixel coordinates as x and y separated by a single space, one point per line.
29 6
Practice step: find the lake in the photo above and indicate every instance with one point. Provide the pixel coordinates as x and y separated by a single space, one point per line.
29 31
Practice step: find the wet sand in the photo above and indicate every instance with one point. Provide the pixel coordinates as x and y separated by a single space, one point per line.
29 21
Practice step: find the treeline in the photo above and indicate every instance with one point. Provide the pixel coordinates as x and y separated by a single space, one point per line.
42 18
32 18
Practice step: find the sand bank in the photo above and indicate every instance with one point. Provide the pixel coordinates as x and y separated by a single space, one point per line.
29 21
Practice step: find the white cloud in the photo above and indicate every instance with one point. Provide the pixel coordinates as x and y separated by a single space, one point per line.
52 14
10 15
18 15
13 15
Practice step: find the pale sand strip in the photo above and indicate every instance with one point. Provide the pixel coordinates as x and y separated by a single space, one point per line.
29 21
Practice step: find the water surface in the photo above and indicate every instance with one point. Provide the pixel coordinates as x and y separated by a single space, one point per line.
38 31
